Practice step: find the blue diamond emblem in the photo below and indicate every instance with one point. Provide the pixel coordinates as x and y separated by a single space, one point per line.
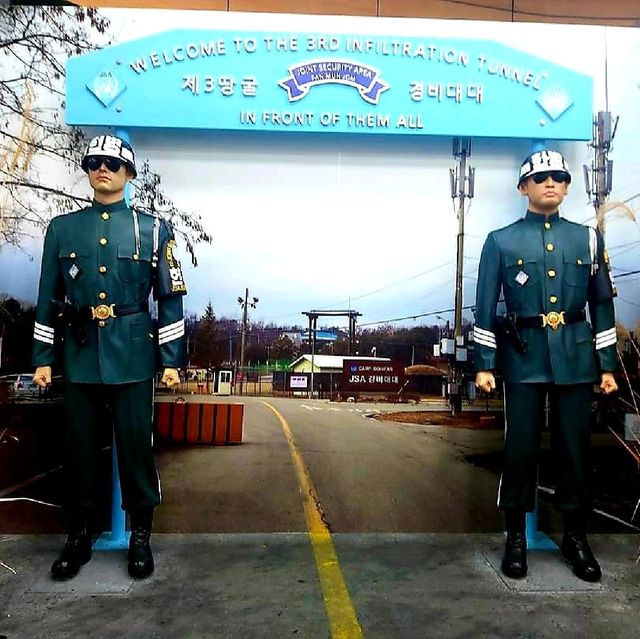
106 87
555 101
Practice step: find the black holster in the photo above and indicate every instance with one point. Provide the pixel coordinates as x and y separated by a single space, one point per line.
71 316
508 326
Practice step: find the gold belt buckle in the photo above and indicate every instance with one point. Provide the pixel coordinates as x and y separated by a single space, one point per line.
553 319
102 312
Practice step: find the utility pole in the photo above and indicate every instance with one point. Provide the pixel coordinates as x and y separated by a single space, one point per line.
462 186
598 178
245 304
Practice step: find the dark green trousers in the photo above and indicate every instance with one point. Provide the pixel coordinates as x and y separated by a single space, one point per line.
88 407
570 425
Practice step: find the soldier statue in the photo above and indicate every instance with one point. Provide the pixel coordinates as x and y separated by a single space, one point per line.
99 266
548 270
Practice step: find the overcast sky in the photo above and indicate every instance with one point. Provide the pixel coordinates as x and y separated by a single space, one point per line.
364 222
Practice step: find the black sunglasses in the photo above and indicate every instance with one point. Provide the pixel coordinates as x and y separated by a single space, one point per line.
96 161
556 176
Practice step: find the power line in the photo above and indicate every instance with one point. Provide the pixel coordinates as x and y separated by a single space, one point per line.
627 274
379 290
386 288
416 316
622 299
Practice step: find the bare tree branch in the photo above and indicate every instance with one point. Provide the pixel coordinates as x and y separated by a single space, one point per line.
35 42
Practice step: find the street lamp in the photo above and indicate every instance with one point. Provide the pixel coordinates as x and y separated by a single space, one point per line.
245 304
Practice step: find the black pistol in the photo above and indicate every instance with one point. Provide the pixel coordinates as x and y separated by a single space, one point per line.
509 323
71 316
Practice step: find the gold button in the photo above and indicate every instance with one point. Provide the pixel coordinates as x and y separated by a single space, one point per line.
102 295
103 241
136 256
105 216
553 299
103 269
101 324
578 261
519 262
551 273
72 255
549 247
547 225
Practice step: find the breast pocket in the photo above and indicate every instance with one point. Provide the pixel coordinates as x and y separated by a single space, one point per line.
133 267
74 262
520 282
576 268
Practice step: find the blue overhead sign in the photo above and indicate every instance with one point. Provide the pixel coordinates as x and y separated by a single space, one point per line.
328 83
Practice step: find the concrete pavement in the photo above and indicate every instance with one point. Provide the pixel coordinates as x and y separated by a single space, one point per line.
251 586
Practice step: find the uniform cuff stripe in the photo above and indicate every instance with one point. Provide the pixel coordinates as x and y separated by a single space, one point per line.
41 338
170 337
171 327
483 342
605 343
484 338
178 329
44 329
38 333
481 331
607 333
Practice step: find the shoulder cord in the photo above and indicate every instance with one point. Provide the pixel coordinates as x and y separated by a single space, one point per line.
136 230
156 236
593 249
156 240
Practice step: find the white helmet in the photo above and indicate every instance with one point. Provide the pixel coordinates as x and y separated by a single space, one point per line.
110 146
541 162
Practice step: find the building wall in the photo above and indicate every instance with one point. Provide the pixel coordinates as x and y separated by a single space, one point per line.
305 367
619 13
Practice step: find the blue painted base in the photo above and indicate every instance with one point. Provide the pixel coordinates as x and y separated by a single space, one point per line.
107 541
537 540
540 541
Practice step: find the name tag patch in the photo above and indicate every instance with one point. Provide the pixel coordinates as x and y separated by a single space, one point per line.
175 272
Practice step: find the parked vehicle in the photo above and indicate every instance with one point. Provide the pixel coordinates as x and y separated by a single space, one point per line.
20 386
24 386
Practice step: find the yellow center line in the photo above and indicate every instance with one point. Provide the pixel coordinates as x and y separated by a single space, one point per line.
343 620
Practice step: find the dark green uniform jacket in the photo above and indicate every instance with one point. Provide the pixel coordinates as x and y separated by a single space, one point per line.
104 255
543 265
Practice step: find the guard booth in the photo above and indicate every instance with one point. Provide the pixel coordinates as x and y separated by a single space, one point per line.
222 382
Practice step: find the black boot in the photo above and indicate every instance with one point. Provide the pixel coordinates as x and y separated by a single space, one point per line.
140 558
77 549
576 549
514 561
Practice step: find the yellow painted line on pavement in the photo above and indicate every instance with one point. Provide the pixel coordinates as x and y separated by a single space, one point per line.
343 620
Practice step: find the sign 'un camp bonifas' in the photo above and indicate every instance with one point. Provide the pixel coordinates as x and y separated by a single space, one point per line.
263 81
372 376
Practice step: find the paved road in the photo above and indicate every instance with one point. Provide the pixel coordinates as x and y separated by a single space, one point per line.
370 475
406 486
